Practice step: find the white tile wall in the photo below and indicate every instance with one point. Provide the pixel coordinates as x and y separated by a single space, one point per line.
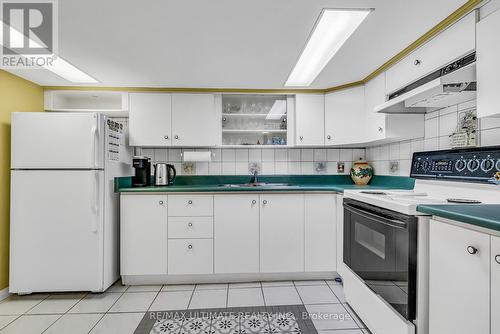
438 126
277 161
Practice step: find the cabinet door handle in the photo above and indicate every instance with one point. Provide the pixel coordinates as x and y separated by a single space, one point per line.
417 62
160 202
190 246
190 202
254 202
380 129
264 202
328 137
190 224
472 250
176 137
166 137
301 138
497 259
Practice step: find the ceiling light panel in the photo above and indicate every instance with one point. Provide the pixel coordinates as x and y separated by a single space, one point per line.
331 31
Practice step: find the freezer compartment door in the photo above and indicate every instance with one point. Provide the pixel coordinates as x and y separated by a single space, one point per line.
54 140
56 231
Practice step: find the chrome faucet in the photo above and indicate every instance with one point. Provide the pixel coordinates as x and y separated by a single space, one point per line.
255 176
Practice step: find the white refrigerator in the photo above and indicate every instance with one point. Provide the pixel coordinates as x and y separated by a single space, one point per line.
64 212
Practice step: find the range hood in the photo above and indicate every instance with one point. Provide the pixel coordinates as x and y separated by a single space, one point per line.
452 84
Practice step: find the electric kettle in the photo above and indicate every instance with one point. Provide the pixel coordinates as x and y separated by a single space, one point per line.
164 174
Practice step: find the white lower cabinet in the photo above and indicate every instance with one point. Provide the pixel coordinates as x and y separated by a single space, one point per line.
495 285
320 232
236 237
190 256
459 280
281 233
231 233
143 234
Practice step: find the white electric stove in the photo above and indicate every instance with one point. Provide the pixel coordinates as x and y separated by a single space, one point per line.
385 237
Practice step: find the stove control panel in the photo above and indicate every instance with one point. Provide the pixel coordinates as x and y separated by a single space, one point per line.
479 164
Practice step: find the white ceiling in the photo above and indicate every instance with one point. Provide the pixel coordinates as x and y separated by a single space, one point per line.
226 43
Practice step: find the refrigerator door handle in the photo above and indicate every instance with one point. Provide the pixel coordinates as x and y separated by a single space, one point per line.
95 137
95 206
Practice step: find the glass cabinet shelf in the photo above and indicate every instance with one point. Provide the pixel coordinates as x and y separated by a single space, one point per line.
254 119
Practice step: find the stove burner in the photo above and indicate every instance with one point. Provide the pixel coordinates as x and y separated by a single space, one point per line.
463 201
373 192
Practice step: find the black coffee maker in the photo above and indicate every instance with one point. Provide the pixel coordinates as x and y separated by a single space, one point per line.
142 166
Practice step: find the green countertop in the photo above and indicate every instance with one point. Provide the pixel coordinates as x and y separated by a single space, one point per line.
331 183
483 215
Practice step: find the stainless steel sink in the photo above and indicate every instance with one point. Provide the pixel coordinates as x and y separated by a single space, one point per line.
254 184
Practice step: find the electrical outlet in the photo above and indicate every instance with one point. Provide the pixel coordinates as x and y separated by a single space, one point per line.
394 166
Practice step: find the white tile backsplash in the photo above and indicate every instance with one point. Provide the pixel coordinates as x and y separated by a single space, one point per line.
439 125
267 154
278 161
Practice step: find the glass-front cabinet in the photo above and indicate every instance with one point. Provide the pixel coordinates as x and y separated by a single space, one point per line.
254 119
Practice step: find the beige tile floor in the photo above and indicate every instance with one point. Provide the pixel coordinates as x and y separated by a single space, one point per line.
120 309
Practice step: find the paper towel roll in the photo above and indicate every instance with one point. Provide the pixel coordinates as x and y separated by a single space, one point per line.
197 156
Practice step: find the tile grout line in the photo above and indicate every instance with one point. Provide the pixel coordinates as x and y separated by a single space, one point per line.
329 287
262 292
102 317
298 293
192 295
62 315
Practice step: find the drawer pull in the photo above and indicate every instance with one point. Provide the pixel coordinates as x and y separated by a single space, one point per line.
264 202
160 202
190 202
166 137
497 259
472 250
254 202
190 246
190 224
417 62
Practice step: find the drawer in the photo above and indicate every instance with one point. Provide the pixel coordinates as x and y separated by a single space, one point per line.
190 256
190 227
190 205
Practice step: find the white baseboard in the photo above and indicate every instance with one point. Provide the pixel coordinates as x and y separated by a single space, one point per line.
4 293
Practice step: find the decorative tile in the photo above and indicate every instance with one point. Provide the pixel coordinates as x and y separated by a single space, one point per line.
225 325
196 325
254 325
167 326
283 323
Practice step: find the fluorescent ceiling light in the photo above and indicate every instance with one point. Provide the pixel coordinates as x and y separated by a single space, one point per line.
331 31
277 110
59 66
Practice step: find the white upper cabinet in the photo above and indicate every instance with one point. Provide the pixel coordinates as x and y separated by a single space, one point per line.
160 119
459 258
344 116
488 54
381 127
150 119
310 119
194 120
374 96
453 43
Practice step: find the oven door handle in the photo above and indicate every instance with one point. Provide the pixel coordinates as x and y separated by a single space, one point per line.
372 216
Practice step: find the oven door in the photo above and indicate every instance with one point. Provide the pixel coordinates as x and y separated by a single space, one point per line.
380 246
